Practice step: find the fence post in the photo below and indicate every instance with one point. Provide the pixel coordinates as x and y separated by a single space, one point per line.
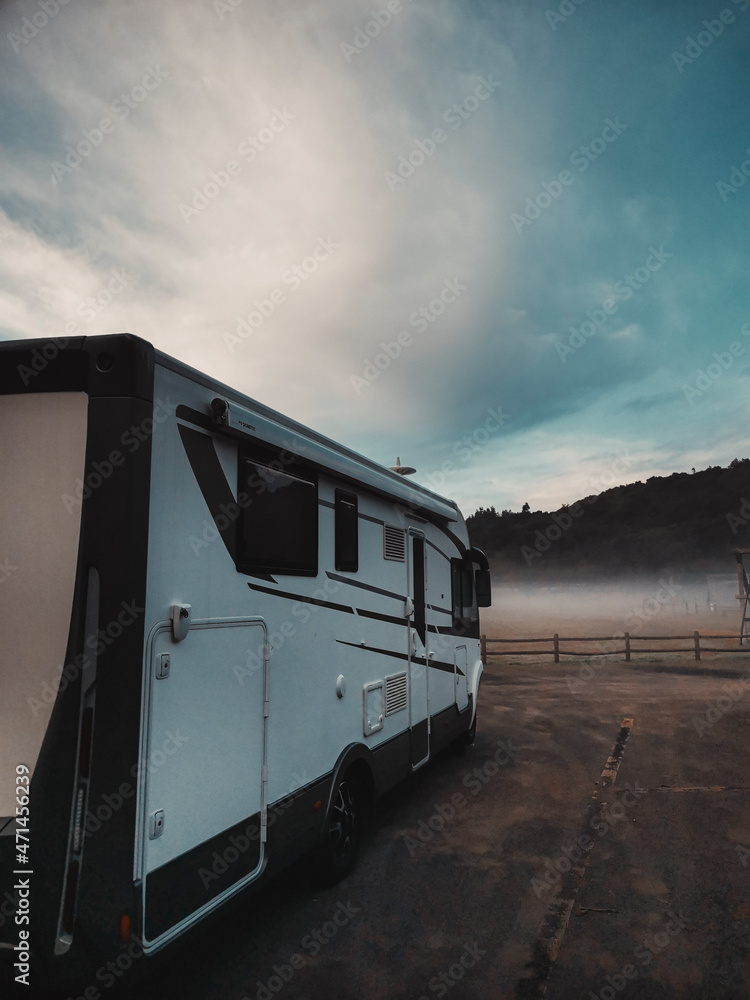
627 647
557 647
483 649
697 640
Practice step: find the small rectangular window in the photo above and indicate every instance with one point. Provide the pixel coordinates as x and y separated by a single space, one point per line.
347 532
279 526
462 595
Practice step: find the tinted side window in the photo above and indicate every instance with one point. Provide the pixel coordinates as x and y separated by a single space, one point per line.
279 527
465 615
347 532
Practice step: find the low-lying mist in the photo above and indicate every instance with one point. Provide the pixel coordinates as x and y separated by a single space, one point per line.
644 605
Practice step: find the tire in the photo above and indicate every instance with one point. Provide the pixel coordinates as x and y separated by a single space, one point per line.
471 732
343 831
466 739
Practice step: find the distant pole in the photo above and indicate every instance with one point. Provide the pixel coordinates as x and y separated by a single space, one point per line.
483 649
697 641
557 648
627 647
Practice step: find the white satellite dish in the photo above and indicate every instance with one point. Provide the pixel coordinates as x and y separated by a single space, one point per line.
402 470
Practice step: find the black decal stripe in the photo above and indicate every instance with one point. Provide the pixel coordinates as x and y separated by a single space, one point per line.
443 611
367 586
381 617
216 491
194 417
203 420
302 598
326 503
454 538
369 517
437 664
213 484
437 549
447 667
188 882
375 649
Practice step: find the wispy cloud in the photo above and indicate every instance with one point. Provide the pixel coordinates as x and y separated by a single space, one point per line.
193 157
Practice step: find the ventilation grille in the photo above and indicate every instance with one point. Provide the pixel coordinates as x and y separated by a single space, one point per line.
394 543
395 693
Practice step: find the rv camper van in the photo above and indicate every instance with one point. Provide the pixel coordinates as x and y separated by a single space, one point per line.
222 635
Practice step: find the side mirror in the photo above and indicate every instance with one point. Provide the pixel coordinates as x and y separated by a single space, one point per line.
483 587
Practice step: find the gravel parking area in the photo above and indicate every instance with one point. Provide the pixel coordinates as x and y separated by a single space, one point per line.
594 842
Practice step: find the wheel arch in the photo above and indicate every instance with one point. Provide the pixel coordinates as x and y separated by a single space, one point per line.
357 759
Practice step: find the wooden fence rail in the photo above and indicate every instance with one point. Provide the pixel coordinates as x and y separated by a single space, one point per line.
695 637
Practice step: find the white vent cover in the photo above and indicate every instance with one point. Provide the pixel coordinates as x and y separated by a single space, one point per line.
394 543
395 693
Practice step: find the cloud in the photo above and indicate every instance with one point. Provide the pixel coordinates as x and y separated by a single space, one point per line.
201 157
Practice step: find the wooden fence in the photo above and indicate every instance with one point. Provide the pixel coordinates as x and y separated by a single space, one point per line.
694 637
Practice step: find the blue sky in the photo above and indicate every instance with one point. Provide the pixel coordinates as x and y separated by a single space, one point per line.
506 242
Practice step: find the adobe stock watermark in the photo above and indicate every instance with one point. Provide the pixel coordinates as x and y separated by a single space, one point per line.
131 440
711 30
95 644
312 943
649 608
88 309
444 813
99 813
652 945
302 611
371 29
741 518
723 361
563 520
119 109
224 7
41 357
455 116
239 844
465 448
601 822
219 180
419 320
734 692
228 513
7 569
566 9
290 281
737 178
440 984
35 22
582 158
624 289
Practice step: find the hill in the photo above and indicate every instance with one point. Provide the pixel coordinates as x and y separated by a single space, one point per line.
683 523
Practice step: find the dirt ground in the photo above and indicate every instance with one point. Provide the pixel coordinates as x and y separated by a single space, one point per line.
593 843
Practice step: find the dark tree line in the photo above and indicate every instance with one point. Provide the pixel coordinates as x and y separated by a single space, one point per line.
686 522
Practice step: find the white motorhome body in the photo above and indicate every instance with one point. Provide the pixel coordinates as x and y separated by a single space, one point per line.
248 628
